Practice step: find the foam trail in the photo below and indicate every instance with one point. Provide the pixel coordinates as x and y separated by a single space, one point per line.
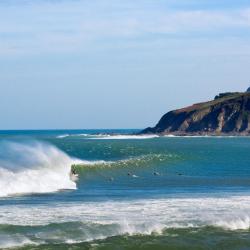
72 135
33 167
123 137
109 136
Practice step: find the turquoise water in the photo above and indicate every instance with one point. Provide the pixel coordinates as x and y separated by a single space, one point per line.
132 192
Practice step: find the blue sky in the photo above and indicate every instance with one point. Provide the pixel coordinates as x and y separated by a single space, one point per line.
114 63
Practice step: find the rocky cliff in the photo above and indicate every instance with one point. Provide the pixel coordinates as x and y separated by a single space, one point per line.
227 114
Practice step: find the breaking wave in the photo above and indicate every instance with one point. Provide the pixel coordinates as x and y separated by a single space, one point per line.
142 216
33 167
81 222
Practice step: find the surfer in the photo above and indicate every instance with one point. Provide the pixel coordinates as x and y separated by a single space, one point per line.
73 171
111 179
132 175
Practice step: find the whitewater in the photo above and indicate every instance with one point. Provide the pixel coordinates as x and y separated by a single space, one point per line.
33 168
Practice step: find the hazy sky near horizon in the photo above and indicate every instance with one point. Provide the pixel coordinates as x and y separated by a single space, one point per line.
117 63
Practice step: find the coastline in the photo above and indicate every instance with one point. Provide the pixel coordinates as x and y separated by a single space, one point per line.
186 134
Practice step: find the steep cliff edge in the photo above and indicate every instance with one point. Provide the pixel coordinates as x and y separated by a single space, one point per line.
227 114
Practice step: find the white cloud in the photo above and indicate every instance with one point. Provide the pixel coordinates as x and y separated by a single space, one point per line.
66 26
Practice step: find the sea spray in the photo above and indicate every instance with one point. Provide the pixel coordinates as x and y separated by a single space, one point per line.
33 167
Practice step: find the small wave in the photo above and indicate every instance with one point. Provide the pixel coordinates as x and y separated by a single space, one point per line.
113 236
69 233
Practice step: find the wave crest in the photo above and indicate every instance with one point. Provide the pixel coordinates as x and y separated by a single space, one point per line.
33 167
139 161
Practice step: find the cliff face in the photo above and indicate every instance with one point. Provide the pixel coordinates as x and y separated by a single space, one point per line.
227 114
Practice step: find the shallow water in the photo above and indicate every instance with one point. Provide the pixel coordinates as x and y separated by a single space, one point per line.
133 192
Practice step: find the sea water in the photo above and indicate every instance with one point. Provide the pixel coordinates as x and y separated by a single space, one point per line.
132 192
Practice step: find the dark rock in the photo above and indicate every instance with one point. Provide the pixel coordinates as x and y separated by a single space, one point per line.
228 113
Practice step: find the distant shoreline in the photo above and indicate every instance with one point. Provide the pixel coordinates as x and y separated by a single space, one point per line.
199 135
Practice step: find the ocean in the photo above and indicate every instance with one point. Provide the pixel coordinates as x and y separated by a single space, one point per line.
131 192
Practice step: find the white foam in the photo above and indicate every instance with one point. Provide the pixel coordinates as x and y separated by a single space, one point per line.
99 220
10 241
139 216
34 168
123 137
237 223
72 135
135 176
62 136
143 136
81 134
